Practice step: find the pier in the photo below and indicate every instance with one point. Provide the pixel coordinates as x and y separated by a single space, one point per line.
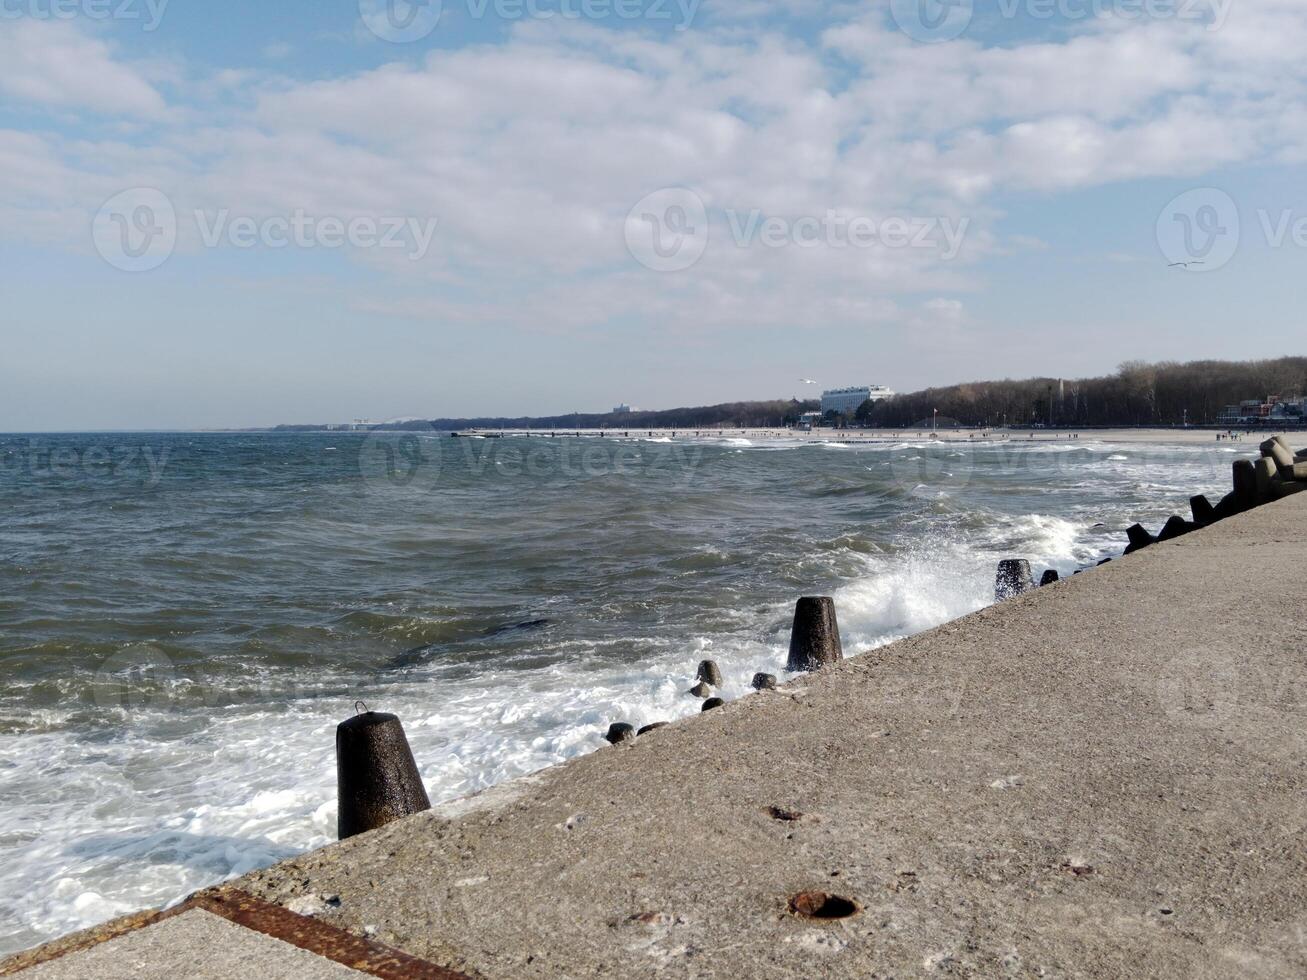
1105 776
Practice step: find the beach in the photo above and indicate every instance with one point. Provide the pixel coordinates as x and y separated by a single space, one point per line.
1192 436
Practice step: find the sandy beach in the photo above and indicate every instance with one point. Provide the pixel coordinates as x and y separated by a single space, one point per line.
1160 436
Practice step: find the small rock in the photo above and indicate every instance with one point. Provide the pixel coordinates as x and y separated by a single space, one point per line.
311 905
709 673
764 682
700 690
650 728
619 731
712 703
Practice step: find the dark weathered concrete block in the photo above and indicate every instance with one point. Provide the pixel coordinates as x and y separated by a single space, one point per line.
712 703
1228 506
1175 527
1050 576
709 673
652 727
1245 484
700 690
377 780
620 731
1139 536
764 682
1014 577
1203 511
1266 473
815 635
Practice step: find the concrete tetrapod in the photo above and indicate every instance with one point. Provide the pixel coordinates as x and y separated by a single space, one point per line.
377 780
815 635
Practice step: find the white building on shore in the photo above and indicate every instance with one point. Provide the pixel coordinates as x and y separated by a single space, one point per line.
846 400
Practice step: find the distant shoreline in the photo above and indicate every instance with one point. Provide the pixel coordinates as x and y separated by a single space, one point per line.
1187 436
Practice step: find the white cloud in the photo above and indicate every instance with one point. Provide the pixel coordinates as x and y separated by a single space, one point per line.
532 151
52 63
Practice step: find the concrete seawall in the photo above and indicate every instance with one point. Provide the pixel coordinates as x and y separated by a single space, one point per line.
1104 777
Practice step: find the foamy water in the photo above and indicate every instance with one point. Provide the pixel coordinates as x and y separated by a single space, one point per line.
179 641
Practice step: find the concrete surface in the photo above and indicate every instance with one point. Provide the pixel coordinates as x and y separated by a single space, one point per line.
192 945
1104 777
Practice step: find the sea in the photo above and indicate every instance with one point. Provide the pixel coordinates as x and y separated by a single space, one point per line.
186 617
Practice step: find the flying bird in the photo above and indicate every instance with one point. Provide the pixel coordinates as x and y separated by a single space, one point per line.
1184 264
808 381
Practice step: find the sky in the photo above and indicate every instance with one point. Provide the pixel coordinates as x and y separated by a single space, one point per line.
247 213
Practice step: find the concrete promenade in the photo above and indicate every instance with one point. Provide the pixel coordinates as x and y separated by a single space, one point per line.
1103 778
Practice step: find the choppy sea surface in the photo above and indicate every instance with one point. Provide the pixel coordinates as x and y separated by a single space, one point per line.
184 618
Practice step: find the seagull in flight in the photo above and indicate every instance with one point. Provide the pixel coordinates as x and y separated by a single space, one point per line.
1184 264
808 381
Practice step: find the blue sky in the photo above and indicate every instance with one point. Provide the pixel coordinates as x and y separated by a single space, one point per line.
243 214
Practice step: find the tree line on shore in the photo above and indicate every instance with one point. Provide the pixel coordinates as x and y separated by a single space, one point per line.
762 414
1167 393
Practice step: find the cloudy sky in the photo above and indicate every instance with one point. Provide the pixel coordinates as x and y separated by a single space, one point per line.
248 213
